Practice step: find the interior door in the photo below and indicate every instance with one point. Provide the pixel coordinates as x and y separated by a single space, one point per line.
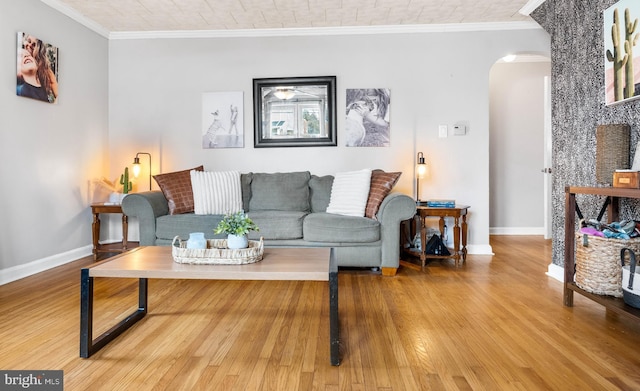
547 159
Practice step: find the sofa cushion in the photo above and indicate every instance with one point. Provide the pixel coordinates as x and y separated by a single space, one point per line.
176 187
349 193
320 192
327 227
168 226
280 191
245 182
216 192
277 224
381 185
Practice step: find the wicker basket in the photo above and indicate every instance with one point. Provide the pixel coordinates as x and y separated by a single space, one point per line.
598 267
612 150
217 253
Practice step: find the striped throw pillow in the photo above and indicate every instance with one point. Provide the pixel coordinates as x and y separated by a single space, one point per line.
216 192
349 193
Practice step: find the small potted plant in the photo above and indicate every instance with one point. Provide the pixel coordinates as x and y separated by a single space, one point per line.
236 226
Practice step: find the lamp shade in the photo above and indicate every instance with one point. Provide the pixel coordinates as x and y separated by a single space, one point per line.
421 167
136 167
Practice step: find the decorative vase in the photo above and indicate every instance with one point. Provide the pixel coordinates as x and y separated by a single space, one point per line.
237 241
115 198
197 240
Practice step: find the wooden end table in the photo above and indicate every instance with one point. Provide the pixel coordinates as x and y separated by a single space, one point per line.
103 207
459 230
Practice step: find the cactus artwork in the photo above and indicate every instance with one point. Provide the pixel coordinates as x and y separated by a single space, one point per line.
631 38
124 181
623 37
618 59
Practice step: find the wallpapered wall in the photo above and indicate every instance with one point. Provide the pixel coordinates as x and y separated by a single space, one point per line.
577 73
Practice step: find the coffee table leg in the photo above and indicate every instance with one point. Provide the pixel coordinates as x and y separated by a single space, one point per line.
86 313
88 346
334 322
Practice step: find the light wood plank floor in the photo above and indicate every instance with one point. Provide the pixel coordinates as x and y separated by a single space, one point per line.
497 323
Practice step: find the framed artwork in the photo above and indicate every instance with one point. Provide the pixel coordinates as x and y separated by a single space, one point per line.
37 69
367 123
294 112
621 54
222 120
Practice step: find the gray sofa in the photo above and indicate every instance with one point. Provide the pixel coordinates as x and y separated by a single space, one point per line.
290 210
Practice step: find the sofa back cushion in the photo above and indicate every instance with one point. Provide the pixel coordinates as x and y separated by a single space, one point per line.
245 184
320 189
280 191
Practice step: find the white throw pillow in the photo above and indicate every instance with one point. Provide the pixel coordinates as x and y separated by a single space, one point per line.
216 192
349 193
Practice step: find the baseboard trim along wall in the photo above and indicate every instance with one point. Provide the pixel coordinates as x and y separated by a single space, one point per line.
479 249
21 271
556 272
516 230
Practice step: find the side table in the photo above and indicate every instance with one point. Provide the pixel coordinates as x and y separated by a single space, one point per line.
459 230
102 207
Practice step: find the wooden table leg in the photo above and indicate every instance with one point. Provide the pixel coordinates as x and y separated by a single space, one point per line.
456 240
95 230
125 231
464 238
423 240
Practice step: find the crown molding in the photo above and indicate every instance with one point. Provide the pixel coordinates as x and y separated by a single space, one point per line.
283 32
531 6
324 31
78 17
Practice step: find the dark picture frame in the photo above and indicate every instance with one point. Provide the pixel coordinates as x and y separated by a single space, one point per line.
295 112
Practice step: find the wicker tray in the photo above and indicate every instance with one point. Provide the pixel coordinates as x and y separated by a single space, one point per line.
598 267
217 253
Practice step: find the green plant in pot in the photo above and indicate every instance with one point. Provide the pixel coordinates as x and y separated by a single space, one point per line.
236 226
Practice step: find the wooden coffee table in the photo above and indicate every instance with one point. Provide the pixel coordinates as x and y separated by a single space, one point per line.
299 264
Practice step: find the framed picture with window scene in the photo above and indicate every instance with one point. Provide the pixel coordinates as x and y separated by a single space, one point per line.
294 112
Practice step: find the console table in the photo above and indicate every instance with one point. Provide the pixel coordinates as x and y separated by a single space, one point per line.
613 194
102 207
457 212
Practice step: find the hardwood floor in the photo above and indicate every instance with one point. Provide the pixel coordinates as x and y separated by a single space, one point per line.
497 323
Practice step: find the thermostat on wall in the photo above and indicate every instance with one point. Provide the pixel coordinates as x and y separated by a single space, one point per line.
459 130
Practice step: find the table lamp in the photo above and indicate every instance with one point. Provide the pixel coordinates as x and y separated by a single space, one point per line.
421 170
136 166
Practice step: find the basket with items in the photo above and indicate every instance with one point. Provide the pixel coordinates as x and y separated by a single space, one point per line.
598 251
217 253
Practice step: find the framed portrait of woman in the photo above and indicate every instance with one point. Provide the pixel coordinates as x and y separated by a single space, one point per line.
37 69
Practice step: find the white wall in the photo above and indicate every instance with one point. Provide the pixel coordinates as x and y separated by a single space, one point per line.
435 78
517 147
49 153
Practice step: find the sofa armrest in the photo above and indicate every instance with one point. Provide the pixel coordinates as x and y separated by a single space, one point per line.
394 209
146 206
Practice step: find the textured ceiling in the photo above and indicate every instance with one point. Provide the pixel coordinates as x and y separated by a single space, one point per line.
181 15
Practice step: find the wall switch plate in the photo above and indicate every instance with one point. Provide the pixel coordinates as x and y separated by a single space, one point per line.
442 131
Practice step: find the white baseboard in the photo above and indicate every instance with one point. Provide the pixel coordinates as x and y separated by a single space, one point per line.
21 271
516 230
480 249
556 272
